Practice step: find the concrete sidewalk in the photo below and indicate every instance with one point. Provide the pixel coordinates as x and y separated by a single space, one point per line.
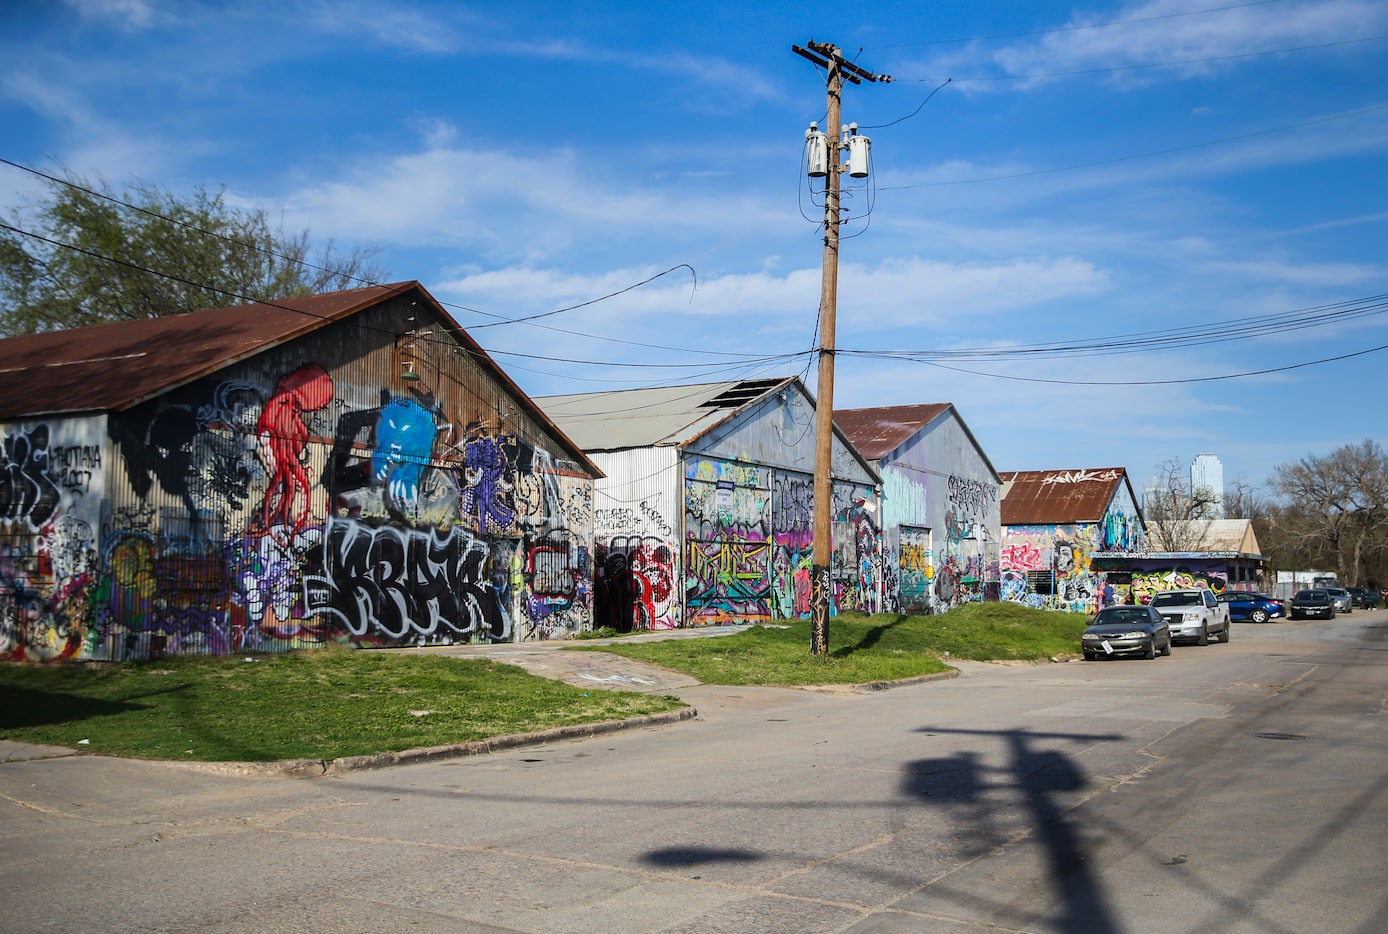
589 669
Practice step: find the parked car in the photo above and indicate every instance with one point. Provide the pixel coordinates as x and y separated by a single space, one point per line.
1313 604
1341 597
1362 598
1193 615
1126 630
1252 607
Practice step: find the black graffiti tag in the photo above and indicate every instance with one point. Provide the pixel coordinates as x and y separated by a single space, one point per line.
394 583
26 490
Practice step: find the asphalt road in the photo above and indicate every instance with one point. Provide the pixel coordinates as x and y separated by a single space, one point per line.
1228 788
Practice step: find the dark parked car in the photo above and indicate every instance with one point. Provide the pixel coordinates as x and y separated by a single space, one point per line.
1365 599
1313 604
1341 597
1126 630
1252 607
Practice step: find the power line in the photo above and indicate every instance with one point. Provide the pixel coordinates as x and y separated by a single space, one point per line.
334 272
1162 382
1142 155
421 338
1171 64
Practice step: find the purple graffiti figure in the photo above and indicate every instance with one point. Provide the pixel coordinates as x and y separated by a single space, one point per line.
487 486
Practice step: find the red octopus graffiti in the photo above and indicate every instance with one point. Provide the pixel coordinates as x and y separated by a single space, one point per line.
283 437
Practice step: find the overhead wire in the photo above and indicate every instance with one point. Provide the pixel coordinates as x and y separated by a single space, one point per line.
343 274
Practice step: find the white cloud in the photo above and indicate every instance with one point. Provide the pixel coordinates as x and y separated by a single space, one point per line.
129 15
1161 32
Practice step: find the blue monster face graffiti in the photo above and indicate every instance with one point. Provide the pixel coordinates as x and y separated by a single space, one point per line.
404 441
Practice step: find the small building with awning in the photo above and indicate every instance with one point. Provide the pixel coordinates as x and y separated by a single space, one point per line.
1227 558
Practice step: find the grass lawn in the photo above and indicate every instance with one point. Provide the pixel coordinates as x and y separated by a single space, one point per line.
331 702
865 648
315 704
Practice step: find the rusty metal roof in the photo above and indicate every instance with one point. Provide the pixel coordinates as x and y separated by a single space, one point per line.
879 431
111 367
1059 497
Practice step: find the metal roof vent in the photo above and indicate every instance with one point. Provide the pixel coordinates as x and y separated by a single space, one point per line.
741 394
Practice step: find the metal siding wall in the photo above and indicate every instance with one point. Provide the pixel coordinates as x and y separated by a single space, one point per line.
636 540
309 494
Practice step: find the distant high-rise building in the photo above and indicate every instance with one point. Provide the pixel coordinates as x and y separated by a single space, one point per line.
1207 473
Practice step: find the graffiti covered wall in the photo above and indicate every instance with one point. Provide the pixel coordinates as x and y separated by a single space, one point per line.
1048 566
637 543
749 543
287 503
52 484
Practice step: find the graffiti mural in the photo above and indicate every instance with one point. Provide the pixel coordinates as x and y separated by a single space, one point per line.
636 581
1051 566
1147 583
916 569
274 510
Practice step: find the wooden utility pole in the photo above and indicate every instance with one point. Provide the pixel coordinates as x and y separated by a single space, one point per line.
839 70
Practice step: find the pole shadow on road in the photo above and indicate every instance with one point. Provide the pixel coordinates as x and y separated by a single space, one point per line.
680 857
1040 777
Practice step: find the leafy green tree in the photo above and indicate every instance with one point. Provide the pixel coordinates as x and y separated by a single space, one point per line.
83 254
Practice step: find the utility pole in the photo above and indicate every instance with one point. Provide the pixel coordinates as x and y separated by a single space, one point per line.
824 159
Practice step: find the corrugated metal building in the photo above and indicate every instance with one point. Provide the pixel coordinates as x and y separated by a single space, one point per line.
705 513
341 467
1054 523
941 521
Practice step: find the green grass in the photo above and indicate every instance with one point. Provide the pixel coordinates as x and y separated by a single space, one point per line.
865 648
319 704
331 702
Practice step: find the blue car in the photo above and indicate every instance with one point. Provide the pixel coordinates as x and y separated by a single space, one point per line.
1246 606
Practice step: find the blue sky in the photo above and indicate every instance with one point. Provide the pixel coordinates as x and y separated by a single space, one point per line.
1114 178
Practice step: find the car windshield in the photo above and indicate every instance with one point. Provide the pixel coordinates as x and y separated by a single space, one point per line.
1176 599
1312 596
1121 614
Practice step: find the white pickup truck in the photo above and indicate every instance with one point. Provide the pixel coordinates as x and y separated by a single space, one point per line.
1193 615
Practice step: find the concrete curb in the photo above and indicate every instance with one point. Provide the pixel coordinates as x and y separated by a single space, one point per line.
872 687
322 768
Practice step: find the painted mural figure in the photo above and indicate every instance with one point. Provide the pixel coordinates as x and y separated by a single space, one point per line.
283 437
404 443
485 472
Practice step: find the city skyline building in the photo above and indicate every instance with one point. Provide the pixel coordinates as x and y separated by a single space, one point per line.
1206 472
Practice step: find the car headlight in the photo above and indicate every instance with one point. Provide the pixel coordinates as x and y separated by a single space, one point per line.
1190 615
1133 635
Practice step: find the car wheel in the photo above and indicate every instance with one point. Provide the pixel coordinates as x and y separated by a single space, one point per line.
1204 637
1258 616
1166 649
1151 652
1090 656
1226 632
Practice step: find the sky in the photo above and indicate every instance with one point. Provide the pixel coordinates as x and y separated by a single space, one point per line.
1111 233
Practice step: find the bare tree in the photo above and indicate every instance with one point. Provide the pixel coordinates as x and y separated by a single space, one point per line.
1333 511
1178 517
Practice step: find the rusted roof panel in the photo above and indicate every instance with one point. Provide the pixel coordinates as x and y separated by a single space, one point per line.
111 367
1058 497
877 432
